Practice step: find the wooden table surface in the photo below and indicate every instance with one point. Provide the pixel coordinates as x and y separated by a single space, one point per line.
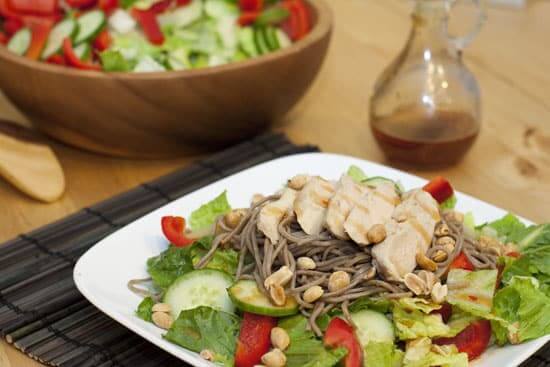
508 166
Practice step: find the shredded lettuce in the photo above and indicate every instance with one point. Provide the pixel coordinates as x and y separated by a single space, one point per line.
509 228
382 354
472 291
205 328
525 309
112 61
145 309
206 215
421 353
305 349
224 260
450 203
368 303
356 174
169 265
412 320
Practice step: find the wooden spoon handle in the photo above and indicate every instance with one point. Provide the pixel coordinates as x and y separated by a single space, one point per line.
29 164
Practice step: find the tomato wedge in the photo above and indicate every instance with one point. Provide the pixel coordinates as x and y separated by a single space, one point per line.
248 17
161 6
462 262
254 339
473 340
439 188
73 60
298 24
3 38
251 5
183 2
340 334
108 6
56 60
12 25
81 4
173 229
102 41
147 19
38 7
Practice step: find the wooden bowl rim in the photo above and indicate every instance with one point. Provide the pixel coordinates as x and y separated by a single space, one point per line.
321 28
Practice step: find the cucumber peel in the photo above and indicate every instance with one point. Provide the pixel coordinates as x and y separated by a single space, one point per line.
246 295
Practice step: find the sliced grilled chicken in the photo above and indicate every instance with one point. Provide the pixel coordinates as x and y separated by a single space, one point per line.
374 208
420 213
311 204
395 256
348 193
410 233
271 215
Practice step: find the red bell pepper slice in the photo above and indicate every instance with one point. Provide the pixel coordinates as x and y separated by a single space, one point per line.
254 339
3 38
473 340
12 25
147 19
340 334
291 26
445 311
38 7
440 189
183 2
247 18
251 5
303 17
462 262
108 6
72 60
40 29
102 41
56 59
81 4
6 11
161 6
173 229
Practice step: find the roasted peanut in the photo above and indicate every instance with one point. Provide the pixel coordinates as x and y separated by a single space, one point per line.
305 263
207 354
162 320
441 230
439 293
162 307
370 274
298 182
338 280
415 283
313 294
445 241
280 277
439 256
376 233
256 198
277 294
274 358
425 262
428 277
280 338
234 217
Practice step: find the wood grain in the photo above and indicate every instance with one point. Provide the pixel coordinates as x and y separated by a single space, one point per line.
509 165
167 113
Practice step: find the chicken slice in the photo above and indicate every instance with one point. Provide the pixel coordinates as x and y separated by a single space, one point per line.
419 212
374 208
311 204
347 195
394 256
271 214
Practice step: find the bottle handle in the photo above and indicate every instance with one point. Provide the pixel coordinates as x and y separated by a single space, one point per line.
461 42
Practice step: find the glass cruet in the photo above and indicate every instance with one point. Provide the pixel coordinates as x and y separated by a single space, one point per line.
425 109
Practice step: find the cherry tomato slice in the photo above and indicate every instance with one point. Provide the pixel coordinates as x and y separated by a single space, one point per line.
173 229
340 334
254 339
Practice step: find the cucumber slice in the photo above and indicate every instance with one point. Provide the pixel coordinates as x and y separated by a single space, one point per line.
271 38
373 326
89 25
378 180
64 29
200 288
246 41
283 39
20 41
83 51
179 59
227 31
260 41
182 16
148 65
220 9
247 297
122 22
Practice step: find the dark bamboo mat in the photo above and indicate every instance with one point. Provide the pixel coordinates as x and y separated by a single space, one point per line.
42 313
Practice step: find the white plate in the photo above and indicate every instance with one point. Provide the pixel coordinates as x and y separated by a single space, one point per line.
103 272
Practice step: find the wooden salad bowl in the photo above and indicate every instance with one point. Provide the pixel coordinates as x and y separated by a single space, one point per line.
170 113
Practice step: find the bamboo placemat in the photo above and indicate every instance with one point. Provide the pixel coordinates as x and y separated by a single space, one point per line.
42 313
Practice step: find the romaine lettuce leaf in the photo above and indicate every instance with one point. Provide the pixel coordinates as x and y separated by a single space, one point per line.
421 354
368 303
113 61
206 215
224 260
205 328
472 291
356 174
535 239
413 322
305 349
169 265
420 304
459 321
509 228
525 310
145 309
450 203
382 355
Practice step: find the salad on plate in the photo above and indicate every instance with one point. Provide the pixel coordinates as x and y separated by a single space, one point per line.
353 272
150 35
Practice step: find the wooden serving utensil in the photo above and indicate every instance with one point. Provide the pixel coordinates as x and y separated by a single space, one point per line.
29 164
